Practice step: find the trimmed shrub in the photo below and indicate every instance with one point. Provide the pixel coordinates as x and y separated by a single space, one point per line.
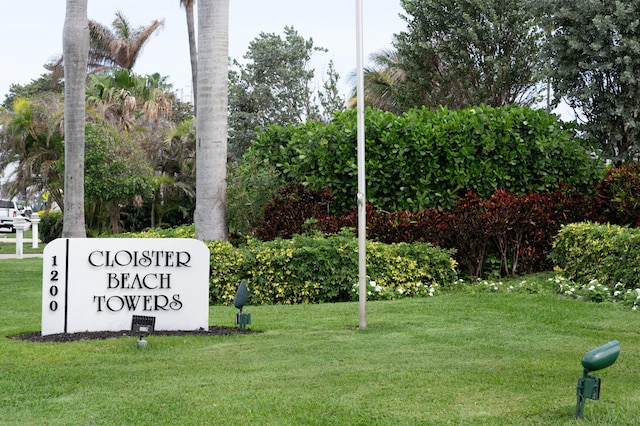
516 230
291 207
608 254
427 158
316 269
184 231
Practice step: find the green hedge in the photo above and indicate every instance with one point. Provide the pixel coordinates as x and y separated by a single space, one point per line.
316 269
609 254
427 158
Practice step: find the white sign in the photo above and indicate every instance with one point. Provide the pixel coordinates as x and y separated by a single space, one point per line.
98 284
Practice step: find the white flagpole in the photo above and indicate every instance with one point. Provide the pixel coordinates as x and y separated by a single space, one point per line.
361 198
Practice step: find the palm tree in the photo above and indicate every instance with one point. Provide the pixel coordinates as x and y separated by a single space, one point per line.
211 129
175 178
127 100
121 46
75 48
193 52
32 141
382 81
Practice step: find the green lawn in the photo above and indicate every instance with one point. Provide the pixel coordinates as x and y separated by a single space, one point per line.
462 359
8 243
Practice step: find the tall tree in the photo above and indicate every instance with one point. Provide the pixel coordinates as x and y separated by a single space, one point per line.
193 51
276 86
595 57
461 53
75 48
121 46
211 128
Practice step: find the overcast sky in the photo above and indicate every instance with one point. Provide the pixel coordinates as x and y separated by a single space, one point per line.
31 33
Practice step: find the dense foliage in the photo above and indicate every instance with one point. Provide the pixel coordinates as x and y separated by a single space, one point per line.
465 53
515 230
275 85
429 158
595 58
50 226
608 254
314 268
618 195
31 143
116 174
251 186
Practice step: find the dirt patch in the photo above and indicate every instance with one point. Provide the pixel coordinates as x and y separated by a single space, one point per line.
101 335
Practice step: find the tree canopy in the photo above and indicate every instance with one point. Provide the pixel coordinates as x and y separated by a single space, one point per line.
120 46
595 58
275 85
469 52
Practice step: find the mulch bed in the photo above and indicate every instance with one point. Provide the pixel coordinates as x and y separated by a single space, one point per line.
101 335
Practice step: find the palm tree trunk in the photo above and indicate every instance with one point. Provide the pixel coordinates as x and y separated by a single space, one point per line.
211 128
75 47
193 52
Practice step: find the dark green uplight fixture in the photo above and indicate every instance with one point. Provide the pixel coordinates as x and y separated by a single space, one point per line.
242 297
596 359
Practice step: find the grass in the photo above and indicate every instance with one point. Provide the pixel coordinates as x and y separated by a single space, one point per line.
464 359
8 244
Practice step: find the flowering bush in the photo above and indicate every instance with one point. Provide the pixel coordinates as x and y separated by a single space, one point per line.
594 291
529 286
378 292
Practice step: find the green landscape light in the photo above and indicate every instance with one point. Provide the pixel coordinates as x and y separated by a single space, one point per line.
596 359
241 299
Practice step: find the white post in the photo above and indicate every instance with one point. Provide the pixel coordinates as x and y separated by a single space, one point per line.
18 224
362 198
35 219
